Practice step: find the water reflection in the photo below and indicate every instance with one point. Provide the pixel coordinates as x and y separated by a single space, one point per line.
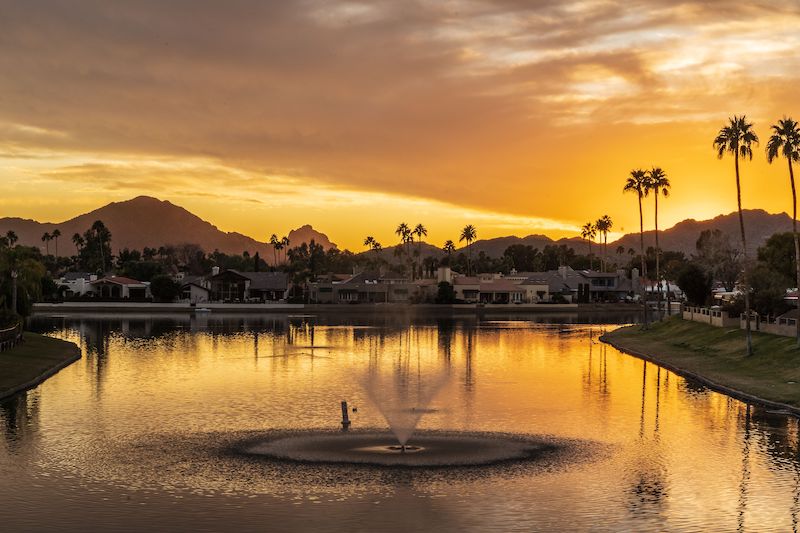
681 457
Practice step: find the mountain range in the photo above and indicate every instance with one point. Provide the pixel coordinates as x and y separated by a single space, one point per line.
146 221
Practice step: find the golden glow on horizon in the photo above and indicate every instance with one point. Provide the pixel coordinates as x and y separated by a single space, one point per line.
517 119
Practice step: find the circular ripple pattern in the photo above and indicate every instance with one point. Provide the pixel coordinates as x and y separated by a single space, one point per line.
428 449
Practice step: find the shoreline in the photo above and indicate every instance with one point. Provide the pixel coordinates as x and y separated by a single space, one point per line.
31 363
282 308
617 340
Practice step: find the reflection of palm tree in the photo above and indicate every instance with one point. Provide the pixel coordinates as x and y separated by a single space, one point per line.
589 232
737 138
785 141
468 234
658 183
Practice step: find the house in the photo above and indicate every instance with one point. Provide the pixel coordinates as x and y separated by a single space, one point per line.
75 283
235 286
120 287
363 287
194 289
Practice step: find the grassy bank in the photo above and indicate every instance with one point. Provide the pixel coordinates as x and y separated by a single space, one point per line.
716 356
33 361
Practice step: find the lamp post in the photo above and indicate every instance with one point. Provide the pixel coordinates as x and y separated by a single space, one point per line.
14 291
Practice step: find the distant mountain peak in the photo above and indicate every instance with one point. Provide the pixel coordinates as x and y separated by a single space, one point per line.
306 233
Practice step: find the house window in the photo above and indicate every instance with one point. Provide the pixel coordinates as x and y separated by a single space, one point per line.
516 297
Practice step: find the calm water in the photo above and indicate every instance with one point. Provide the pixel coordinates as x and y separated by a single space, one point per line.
136 433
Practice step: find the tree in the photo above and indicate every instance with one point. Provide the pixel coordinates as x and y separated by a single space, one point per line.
777 254
638 182
769 290
785 141
55 235
404 232
445 293
604 225
256 262
719 257
78 241
696 283
273 240
448 248
658 182
468 234
164 288
737 138
11 238
103 240
589 232
46 238
285 245
420 231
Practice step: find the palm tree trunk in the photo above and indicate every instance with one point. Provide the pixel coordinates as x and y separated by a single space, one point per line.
605 249
56 246
796 249
590 252
658 256
744 255
643 274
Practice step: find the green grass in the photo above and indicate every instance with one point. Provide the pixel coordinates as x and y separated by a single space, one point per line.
37 355
718 354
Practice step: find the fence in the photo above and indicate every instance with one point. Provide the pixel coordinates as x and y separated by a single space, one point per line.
10 337
715 317
786 327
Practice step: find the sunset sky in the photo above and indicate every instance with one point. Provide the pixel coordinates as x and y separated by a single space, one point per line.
517 116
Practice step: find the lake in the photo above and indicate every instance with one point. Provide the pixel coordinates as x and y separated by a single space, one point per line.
142 432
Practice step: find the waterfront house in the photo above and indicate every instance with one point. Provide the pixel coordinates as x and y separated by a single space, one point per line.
75 283
235 286
114 287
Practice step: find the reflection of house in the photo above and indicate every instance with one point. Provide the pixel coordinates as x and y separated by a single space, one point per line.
235 286
120 287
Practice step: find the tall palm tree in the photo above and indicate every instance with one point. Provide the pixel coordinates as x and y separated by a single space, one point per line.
100 232
369 241
273 240
468 234
46 238
420 231
285 242
78 241
658 183
785 141
604 225
448 248
55 235
589 232
404 232
638 182
737 138
11 237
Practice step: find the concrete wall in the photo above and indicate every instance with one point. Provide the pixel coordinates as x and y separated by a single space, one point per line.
714 317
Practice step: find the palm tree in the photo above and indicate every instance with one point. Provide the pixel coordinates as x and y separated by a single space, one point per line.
420 231
604 225
55 235
46 238
658 182
785 141
737 138
285 242
589 232
273 240
369 241
404 232
78 241
100 232
11 237
638 182
468 234
449 247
